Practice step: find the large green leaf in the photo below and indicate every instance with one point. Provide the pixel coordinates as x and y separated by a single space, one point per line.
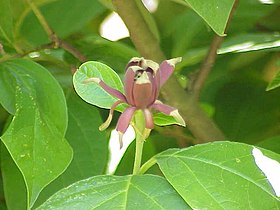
220 175
89 144
114 192
93 93
35 137
214 12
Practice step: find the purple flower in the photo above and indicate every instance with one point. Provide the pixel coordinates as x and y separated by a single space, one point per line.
143 80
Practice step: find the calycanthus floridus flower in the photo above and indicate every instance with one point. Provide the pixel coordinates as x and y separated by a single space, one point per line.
142 82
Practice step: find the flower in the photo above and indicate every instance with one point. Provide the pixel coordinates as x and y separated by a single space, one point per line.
142 82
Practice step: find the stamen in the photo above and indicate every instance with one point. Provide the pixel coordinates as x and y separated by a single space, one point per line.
106 124
92 79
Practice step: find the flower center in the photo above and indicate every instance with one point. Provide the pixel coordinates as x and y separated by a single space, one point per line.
141 77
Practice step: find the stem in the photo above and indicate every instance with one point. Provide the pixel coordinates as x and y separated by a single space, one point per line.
210 58
41 19
139 128
138 155
145 167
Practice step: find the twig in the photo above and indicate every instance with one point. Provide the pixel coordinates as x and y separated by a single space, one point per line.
201 126
57 42
202 74
71 49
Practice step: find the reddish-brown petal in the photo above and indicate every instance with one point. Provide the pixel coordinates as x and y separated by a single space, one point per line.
106 87
135 61
129 82
125 119
166 68
154 88
142 91
163 107
148 119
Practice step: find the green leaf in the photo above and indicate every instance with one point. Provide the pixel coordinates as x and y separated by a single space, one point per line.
35 137
250 42
6 21
8 92
89 144
220 175
93 93
115 192
214 12
163 120
239 43
275 83
13 182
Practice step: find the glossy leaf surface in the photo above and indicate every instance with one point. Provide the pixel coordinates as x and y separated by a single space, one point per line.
214 12
219 176
88 143
35 137
92 92
113 192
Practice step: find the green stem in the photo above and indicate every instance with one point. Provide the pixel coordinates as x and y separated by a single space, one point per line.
139 128
41 19
147 165
138 154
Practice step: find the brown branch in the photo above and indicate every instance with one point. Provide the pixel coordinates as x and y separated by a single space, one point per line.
72 50
200 77
57 42
201 126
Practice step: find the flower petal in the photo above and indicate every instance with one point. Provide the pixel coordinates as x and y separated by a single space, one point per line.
110 116
135 61
107 88
166 68
125 119
142 91
143 63
129 82
148 119
169 110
